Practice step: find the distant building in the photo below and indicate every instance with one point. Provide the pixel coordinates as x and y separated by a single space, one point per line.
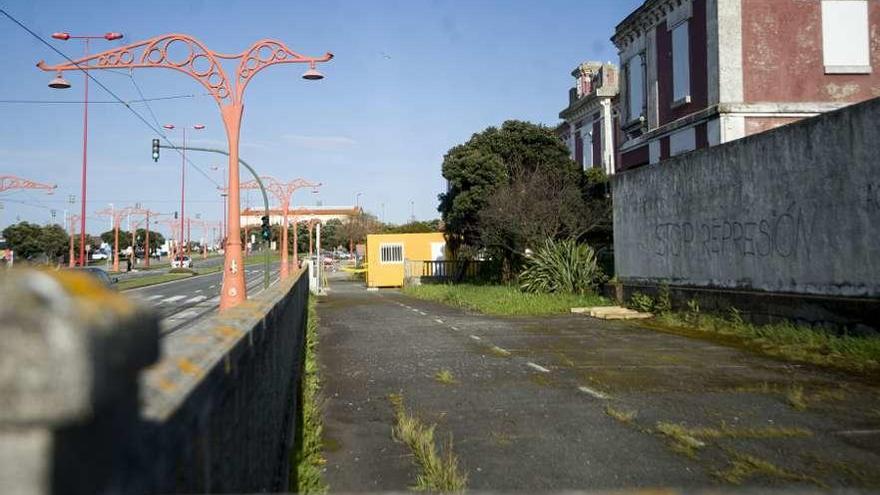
250 217
695 73
590 124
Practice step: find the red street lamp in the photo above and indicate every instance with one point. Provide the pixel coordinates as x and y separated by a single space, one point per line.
202 64
197 127
60 83
283 192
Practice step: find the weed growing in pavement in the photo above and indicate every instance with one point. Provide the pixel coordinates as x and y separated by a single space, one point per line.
439 472
620 415
503 300
680 440
307 456
784 340
795 397
744 466
445 377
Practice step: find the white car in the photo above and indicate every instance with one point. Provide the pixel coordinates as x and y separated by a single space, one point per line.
181 262
99 256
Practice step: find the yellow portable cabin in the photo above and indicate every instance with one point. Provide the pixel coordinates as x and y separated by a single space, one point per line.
393 257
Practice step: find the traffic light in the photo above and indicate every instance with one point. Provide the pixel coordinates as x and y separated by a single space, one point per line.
155 150
175 215
266 230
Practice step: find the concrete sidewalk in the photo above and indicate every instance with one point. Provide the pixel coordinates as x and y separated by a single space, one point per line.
571 402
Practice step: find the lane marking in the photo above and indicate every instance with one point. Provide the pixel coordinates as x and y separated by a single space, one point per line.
212 286
196 299
155 296
594 393
454 328
537 367
197 290
474 337
438 320
414 310
857 432
423 313
172 299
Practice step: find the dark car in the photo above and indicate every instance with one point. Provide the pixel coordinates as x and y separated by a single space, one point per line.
99 274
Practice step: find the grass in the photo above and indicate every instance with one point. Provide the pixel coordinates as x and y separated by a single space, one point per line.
151 280
503 300
619 415
782 340
744 466
687 440
307 455
439 471
795 398
445 377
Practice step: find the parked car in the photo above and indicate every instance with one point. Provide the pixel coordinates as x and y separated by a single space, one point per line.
98 255
99 274
181 262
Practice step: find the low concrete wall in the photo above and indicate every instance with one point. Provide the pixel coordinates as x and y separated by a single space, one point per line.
215 414
793 210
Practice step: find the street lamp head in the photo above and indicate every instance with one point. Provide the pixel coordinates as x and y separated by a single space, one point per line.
199 127
61 36
168 126
312 74
59 82
112 36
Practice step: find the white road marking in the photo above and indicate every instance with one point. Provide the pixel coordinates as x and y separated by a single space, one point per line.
438 320
196 299
537 367
474 337
197 290
414 310
155 296
594 393
500 350
858 432
212 286
423 313
172 299
454 328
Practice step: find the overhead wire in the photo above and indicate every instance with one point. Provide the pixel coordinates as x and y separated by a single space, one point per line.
110 92
97 102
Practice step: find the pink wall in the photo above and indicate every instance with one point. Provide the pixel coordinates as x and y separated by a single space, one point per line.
782 54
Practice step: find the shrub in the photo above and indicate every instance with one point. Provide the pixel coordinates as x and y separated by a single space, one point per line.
182 270
641 302
561 266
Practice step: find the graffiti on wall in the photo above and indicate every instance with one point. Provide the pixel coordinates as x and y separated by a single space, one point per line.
783 234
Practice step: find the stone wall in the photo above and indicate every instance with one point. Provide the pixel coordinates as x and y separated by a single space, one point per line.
793 210
215 412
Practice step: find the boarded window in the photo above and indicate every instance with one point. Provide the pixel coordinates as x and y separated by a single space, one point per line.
391 253
845 47
635 87
681 67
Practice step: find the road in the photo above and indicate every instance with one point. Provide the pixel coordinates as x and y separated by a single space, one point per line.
184 302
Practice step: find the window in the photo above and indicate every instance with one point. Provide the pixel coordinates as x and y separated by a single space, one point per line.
845 47
635 88
588 151
681 67
391 253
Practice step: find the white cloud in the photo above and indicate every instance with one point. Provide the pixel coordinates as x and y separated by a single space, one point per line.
323 143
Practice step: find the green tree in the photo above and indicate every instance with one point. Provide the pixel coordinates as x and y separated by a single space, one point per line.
414 227
54 241
491 159
24 239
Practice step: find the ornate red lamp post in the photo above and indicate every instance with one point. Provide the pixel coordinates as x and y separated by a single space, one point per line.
188 55
283 192
60 83
116 216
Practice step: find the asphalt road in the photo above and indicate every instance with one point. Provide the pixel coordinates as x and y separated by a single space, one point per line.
184 302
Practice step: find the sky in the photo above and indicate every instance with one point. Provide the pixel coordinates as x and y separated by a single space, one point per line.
409 80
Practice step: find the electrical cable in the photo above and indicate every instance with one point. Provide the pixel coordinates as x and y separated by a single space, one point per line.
111 93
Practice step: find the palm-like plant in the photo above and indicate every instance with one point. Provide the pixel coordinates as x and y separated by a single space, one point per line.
564 266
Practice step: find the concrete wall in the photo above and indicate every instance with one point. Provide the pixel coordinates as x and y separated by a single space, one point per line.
215 413
795 209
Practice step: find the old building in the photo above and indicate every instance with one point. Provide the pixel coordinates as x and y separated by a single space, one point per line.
695 73
590 125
